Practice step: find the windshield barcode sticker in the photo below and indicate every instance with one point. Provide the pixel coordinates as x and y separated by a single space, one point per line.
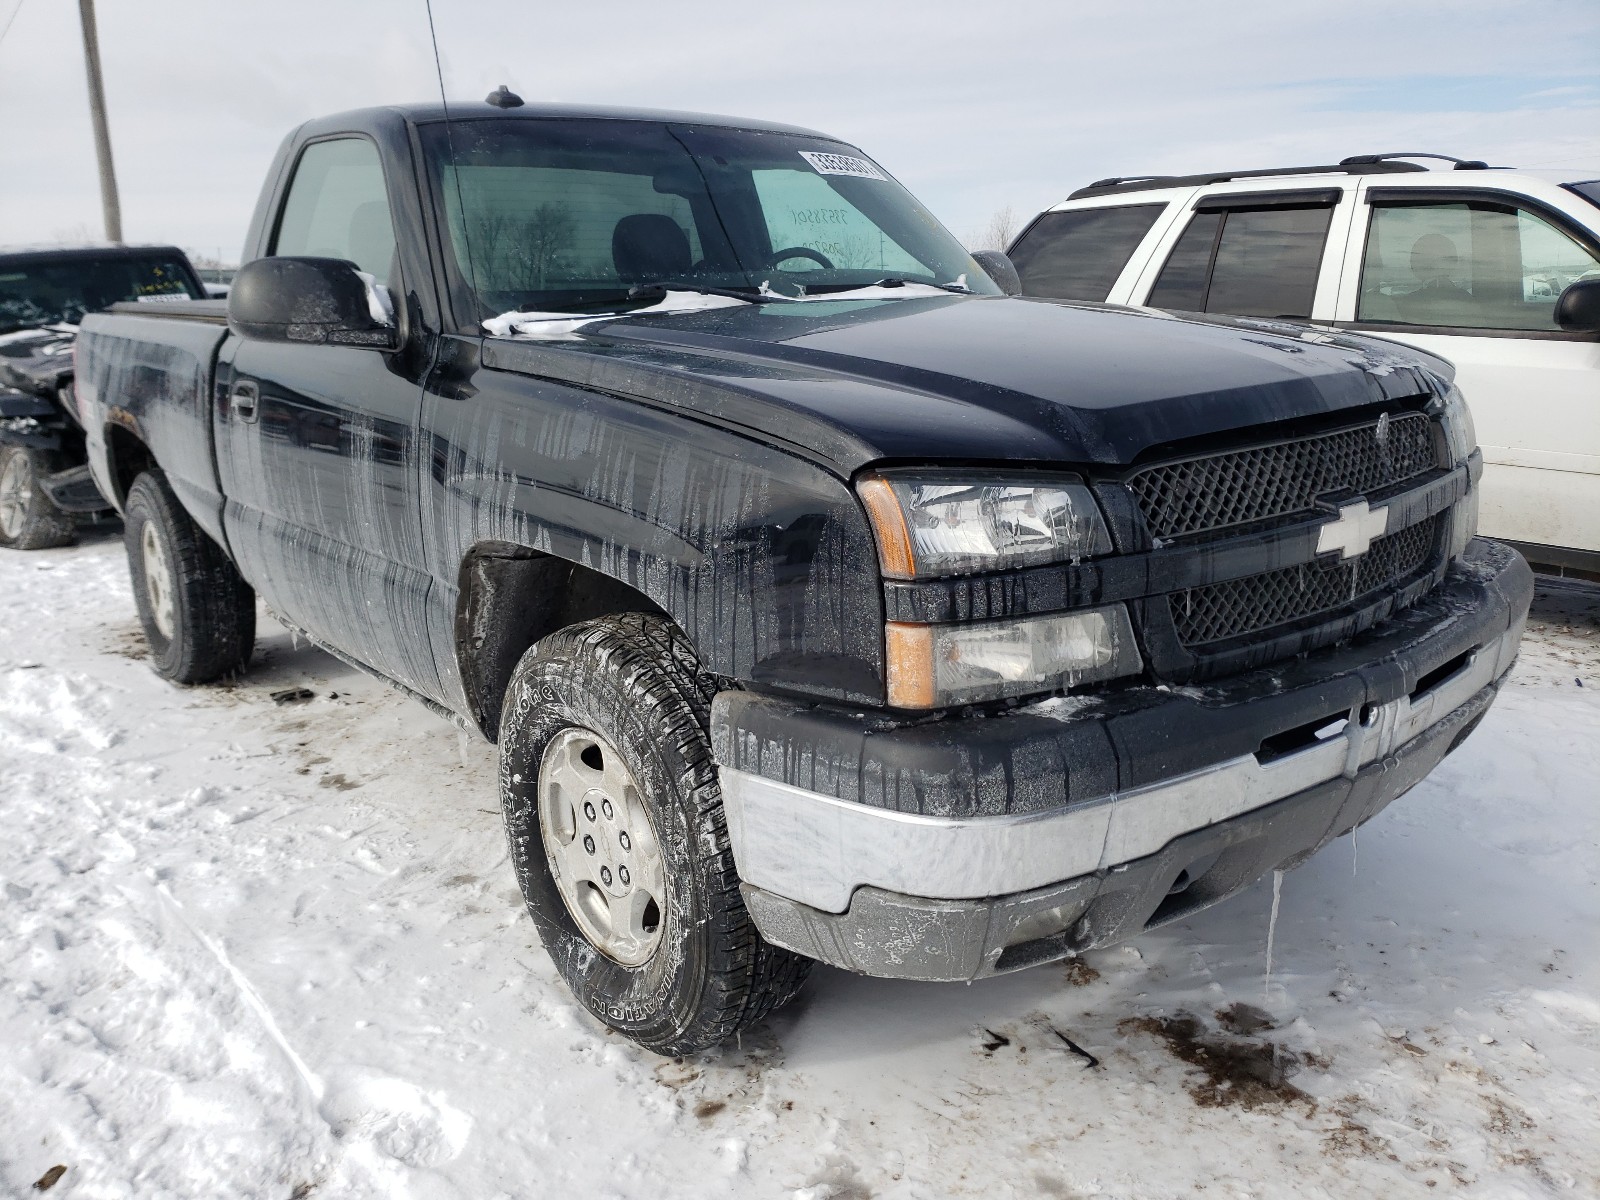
842 164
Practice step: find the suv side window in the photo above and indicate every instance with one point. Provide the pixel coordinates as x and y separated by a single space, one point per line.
1078 255
337 207
1476 264
1255 262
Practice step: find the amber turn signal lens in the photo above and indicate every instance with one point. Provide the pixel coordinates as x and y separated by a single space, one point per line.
889 525
910 662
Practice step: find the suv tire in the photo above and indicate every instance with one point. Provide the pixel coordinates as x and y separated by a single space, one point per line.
198 613
29 519
605 730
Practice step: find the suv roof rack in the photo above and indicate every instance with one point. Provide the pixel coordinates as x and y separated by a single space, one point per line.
1356 164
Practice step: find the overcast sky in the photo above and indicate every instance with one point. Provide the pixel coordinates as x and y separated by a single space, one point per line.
975 105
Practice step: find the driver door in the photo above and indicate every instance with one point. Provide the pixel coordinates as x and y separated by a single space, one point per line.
318 444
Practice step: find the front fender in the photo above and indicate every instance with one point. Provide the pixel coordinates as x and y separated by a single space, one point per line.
762 558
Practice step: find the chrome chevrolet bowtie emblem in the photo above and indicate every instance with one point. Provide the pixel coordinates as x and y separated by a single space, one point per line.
1353 531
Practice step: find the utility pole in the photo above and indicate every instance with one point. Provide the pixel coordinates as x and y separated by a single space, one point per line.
102 135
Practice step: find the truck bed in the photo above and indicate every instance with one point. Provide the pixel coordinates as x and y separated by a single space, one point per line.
148 368
213 312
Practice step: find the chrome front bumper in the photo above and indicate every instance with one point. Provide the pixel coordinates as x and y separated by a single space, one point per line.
817 849
955 849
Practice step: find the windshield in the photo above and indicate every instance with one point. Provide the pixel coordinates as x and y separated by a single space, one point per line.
570 214
51 293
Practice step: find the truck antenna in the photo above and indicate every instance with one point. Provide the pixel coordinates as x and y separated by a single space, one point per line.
455 171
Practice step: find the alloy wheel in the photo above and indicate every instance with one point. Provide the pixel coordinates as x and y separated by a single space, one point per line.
158 579
16 495
601 847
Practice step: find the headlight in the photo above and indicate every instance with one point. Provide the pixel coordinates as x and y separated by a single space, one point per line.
931 527
930 666
1459 432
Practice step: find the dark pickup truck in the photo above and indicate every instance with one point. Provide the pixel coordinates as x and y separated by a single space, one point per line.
826 602
44 479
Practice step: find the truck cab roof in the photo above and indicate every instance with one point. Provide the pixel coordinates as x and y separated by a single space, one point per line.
31 254
430 112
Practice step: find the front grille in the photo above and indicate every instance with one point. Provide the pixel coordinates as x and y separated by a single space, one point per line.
1219 611
1266 483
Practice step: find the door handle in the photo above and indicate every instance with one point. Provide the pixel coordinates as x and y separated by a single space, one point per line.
246 401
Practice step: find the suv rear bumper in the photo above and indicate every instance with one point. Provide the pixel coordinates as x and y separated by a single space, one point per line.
964 847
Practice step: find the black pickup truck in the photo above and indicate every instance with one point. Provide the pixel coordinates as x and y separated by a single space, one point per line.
826 602
44 479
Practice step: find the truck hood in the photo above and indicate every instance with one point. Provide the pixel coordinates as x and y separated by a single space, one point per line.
976 378
37 361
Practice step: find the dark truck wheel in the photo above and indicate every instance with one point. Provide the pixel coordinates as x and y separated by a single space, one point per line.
29 519
615 823
199 614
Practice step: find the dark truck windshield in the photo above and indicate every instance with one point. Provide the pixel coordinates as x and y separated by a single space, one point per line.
566 214
36 291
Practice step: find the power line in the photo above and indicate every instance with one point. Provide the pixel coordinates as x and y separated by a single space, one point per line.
12 20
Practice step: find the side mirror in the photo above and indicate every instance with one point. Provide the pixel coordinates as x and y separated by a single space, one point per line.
319 301
999 268
1578 308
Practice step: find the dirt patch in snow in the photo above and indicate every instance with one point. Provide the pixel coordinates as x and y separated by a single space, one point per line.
1562 644
128 640
1245 1019
1234 1072
1080 973
1351 1137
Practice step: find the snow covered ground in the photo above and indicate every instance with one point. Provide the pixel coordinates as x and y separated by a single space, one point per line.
251 950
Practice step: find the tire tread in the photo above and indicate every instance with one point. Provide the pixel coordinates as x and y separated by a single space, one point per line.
46 525
748 977
216 608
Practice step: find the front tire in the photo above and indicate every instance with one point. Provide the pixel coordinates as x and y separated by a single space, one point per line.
198 613
610 795
29 519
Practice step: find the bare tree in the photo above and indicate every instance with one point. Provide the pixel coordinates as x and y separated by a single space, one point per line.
521 251
548 236
997 234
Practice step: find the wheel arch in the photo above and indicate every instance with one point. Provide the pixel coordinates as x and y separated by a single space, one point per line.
509 596
127 457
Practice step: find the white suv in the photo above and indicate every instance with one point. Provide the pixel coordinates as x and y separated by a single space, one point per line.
1474 263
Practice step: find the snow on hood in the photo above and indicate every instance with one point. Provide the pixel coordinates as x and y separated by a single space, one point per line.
556 327
38 333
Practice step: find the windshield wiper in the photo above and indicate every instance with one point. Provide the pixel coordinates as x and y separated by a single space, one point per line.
643 293
956 286
658 290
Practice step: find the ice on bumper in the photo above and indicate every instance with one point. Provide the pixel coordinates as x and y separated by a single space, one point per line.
787 772
817 849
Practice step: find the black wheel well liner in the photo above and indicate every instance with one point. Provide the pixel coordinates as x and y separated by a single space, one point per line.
511 596
127 457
